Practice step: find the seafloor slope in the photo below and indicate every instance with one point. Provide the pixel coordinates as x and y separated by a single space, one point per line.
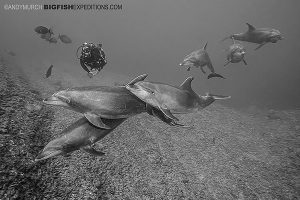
224 155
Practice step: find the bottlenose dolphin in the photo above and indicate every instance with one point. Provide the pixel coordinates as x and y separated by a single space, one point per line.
200 58
259 36
80 135
236 53
97 102
170 99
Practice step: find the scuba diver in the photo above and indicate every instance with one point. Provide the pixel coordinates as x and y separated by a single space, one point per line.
92 58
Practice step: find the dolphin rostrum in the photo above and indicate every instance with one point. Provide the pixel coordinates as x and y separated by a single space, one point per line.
259 36
170 99
200 58
236 53
80 135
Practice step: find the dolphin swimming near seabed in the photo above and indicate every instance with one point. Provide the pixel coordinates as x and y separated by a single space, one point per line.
97 102
171 99
259 36
80 135
236 53
200 58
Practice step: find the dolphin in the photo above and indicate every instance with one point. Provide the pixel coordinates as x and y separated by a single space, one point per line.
98 102
80 135
200 58
259 36
236 53
171 99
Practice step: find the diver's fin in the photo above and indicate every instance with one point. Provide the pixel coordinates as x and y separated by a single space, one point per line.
215 75
137 79
218 97
95 120
229 61
259 46
245 62
186 85
92 151
250 27
205 46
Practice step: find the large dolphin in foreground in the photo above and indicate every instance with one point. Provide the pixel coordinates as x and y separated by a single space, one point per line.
80 135
236 53
200 58
98 102
259 36
170 99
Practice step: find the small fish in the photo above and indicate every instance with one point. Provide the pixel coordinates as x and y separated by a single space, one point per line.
49 71
41 30
65 39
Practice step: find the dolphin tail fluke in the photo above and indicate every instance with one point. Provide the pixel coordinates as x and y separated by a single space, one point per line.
218 97
215 75
226 38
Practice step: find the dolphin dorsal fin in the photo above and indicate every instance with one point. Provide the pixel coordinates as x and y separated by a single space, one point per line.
250 27
205 46
186 85
137 79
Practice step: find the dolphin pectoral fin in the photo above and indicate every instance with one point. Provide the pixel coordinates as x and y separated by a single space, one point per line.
215 75
168 113
159 114
92 151
202 69
259 46
245 62
188 69
149 109
95 120
137 79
